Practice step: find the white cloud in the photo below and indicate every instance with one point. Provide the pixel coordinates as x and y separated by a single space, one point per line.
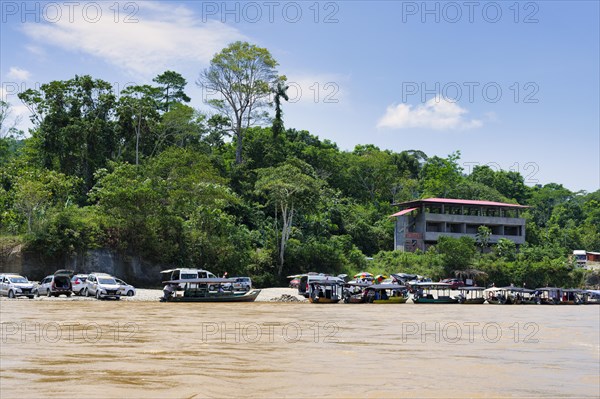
437 113
18 73
36 50
157 37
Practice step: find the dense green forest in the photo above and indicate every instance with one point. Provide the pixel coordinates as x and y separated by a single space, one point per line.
147 174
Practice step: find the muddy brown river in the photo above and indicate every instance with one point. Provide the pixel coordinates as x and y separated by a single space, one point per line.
59 349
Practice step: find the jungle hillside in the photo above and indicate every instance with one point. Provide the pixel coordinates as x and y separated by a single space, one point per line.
233 189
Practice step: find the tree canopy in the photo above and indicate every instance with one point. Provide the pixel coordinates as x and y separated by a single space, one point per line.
147 174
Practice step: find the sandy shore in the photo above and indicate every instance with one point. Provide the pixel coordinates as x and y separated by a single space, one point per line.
151 295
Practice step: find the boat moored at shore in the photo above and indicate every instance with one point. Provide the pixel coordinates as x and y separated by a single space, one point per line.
432 293
207 290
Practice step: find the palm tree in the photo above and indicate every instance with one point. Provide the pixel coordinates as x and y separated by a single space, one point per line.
280 92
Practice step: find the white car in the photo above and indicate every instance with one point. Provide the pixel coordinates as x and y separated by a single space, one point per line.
102 285
240 284
13 285
124 288
78 283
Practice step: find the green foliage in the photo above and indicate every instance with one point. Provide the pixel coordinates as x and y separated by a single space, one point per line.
75 133
506 249
150 175
68 231
440 175
429 264
457 253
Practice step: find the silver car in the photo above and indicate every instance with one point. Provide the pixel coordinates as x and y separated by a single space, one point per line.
102 285
55 284
13 285
124 288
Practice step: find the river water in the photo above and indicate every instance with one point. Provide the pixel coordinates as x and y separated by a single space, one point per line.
59 349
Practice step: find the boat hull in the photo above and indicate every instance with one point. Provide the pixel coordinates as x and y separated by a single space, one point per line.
394 299
249 296
355 299
323 300
435 300
473 301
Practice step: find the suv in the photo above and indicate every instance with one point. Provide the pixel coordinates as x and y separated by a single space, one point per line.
102 285
78 283
13 285
242 284
56 284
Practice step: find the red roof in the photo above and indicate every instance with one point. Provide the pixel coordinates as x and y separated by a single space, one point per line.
461 202
403 212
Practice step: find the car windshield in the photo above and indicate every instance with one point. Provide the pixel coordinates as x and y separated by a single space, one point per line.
106 280
18 279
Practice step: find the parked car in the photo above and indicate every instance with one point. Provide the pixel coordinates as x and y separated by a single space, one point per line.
56 284
78 283
13 285
454 283
294 283
124 288
240 284
102 285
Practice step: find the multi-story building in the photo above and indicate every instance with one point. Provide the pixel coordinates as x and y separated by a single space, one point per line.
420 223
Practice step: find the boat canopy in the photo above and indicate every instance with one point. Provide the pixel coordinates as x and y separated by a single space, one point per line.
386 287
517 289
471 288
328 281
358 284
432 285
202 281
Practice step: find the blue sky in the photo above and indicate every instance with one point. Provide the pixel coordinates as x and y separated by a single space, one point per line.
510 84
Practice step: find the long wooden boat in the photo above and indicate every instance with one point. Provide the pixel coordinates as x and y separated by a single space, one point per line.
471 295
591 297
523 296
572 296
354 292
432 293
209 290
548 295
510 296
327 290
386 293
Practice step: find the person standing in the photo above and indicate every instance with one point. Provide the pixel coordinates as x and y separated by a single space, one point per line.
168 291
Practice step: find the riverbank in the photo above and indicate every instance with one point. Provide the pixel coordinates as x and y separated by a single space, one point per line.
152 295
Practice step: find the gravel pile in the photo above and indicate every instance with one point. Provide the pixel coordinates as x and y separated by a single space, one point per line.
287 298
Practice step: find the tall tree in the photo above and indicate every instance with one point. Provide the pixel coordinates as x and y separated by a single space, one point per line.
288 187
484 234
137 114
243 74
280 92
172 85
